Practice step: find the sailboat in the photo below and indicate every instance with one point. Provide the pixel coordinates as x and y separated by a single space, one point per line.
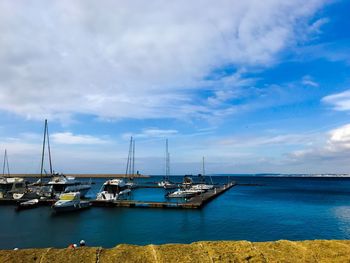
202 185
9 186
130 165
115 189
166 182
60 183
188 189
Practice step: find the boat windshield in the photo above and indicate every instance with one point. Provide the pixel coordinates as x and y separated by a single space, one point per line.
68 197
5 187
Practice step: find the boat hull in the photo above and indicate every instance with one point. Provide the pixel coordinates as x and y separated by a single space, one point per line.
71 208
26 207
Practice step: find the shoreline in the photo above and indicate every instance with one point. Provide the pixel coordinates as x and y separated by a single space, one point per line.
202 251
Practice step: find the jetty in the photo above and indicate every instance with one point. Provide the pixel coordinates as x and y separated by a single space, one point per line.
195 202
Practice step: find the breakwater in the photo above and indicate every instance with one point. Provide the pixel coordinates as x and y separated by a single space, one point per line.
215 251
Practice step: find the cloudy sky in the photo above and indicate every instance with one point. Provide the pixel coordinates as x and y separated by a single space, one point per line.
254 86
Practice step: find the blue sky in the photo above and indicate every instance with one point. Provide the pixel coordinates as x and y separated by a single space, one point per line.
254 87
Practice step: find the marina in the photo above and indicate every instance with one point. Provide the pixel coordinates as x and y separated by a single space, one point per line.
195 202
256 209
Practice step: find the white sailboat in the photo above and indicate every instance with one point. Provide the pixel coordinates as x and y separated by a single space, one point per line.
116 189
166 183
189 189
59 183
10 187
203 186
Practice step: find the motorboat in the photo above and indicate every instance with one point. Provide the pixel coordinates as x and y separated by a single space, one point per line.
202 187
27 204
167 184
113 189
12 187
70 202
187 182
64 184
181 193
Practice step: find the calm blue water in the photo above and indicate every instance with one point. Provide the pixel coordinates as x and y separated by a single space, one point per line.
280 208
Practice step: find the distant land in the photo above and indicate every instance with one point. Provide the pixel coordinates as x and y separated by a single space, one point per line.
97 175
86 175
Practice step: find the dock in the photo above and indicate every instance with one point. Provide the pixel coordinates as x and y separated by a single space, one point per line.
195 202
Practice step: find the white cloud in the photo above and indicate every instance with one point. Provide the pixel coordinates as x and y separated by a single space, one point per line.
335 147
152 133
284 139
308 81
339 138
134 59
70 138
340 101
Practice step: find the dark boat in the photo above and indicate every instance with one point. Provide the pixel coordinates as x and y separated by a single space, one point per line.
27 204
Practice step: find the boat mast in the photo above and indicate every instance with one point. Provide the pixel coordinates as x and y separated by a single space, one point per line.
133 159
43 153
167 160
6 163
49 150
203 169
129 164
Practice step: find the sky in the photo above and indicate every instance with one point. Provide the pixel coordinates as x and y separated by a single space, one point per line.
253 86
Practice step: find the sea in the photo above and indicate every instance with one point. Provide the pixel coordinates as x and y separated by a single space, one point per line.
259 208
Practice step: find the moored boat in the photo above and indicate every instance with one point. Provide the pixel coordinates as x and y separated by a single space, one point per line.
64 184
70 202
181 193
113 190
11 185
27 204
166 183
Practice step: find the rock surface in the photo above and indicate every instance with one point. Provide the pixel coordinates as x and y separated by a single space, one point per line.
216 251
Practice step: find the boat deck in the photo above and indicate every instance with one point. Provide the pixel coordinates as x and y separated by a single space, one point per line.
193 203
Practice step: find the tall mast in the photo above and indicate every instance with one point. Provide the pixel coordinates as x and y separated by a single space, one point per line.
167 160
203 169
128 164
133 159
6 163
3 167
48 146
43 152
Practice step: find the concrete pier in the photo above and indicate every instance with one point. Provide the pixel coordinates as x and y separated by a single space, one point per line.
194 202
